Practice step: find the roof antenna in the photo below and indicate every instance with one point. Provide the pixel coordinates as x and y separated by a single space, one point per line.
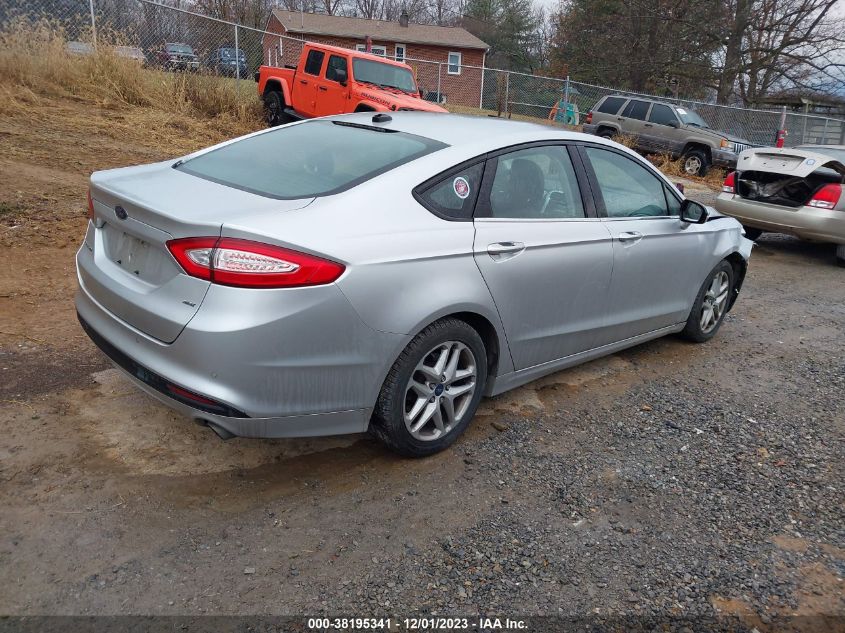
381 117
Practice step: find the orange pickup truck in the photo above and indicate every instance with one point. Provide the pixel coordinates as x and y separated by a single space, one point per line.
331 80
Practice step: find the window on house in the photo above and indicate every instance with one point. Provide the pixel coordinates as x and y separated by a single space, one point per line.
400 52
374 49
454 67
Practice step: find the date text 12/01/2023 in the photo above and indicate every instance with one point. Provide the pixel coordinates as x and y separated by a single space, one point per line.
417 624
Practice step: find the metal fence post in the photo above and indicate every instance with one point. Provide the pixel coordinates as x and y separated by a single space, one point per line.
566 98
507 92
481 90
93 23
439 94
237 64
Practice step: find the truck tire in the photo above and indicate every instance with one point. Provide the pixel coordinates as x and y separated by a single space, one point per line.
606 132
695 162
751 233
274 109
840 255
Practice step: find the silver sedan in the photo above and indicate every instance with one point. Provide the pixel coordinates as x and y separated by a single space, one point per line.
385 272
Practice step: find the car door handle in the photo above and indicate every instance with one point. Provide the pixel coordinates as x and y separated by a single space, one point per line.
505 248
303 82
630 236
647 125
323 88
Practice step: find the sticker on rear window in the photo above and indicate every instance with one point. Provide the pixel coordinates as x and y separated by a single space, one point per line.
461 186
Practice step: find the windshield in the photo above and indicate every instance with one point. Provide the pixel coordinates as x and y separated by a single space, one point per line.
834 153
691 118
229 53
180 48
383 75
329 157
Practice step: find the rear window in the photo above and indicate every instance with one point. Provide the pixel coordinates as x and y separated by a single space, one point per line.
611 105
315 158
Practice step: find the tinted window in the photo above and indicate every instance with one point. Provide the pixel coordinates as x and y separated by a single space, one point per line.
611 105
454 196
628 188
636 110
662 114
538 182
329 157
314 62
335 63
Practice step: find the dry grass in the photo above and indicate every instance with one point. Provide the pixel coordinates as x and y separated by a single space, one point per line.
34 64
626 139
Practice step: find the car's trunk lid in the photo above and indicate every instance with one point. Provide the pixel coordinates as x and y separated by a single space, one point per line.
125 264
784 176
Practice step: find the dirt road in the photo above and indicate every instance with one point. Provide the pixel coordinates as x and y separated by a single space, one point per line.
668 479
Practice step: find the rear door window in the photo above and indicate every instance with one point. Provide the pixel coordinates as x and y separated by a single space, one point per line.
330 156
636 110
611 105
314 62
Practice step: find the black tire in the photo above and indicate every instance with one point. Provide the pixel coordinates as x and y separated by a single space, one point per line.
274 109
693 330
388 420
751 233
696 162
840 255
606 132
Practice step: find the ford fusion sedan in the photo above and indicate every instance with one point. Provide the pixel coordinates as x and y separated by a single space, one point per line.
385 272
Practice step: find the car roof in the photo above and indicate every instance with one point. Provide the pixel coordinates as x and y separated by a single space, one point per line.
355 53
456 129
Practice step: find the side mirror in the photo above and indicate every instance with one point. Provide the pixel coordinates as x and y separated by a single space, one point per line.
341 76
692 212
674 124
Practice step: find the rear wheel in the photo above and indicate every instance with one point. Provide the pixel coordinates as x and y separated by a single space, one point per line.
696 162
711 304
606 132
840 255
432 391
751 233
274 109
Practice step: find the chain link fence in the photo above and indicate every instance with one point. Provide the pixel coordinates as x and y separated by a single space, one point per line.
175 38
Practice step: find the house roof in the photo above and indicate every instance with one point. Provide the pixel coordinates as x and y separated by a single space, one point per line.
381 30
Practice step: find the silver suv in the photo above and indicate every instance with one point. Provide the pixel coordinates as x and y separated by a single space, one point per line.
659 127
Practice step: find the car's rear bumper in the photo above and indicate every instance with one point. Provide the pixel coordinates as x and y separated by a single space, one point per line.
255 367
823 225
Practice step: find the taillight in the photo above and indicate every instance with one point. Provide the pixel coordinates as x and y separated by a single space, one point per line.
827 197
90 206
248 264
729 186
590 116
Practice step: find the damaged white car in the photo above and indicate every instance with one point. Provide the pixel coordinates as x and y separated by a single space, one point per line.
796 190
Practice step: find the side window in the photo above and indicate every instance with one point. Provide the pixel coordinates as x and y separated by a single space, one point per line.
661 114
336 63
314 62
537 182
636 110
627 188
672 202
454 196
611 105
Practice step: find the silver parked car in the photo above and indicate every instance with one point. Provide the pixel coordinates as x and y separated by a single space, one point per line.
794 190
386 271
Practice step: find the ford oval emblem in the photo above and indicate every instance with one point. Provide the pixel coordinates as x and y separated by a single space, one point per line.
120 212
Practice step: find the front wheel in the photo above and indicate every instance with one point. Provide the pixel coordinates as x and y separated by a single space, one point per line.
696 162
711 304
432 391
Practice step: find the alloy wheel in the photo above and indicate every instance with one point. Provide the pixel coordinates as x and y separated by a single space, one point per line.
692 165
715 300
440 391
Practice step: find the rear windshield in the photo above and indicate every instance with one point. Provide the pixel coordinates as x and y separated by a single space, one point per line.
315 158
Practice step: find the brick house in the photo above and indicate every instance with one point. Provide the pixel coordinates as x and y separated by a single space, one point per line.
446 57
